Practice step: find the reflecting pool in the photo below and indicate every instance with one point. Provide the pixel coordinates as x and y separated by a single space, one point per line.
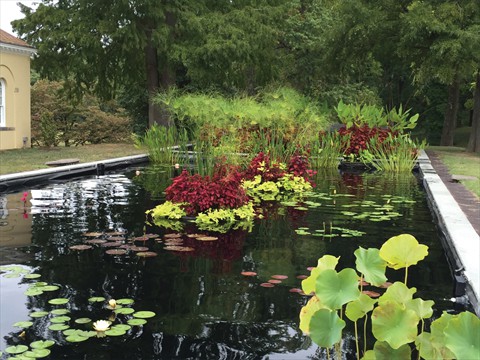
205 308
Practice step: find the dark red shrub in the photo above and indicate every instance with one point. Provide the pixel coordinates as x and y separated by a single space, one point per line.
263 166
356 138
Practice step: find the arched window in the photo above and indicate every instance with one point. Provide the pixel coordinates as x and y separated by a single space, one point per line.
3 120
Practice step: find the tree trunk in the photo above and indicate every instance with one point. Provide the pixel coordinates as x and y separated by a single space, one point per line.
450 119
474 141
151 64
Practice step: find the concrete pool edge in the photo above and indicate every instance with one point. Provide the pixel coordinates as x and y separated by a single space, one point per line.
461 238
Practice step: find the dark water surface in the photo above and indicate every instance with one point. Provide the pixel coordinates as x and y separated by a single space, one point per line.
205 308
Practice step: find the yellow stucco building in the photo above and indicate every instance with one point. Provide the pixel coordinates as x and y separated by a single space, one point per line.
15 119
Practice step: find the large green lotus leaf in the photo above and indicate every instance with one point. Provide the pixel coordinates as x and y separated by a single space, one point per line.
37 353
326 262
371 265
326 328
402 251
462 336
369 355
423 308
398 292
393 323
336 289
306 313
358 308
383 351
432 348
42 344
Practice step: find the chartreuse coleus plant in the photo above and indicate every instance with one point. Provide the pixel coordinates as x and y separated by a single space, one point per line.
397 318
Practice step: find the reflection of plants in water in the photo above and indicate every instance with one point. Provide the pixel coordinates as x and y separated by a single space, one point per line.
155 179
395 316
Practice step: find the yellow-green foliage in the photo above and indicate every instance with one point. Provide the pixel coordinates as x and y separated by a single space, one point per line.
222 220
270 190
168 210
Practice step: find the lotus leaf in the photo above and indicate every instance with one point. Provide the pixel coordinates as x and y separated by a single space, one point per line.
58 301
37 353
369 355
136 322
423 308
393 323
358 308
42 344
402 251
336 289
462 335
38 314
398 292
326 327
144 314
383 351
23 324
306 313
16 349
431 347
325 262
124 311
371 265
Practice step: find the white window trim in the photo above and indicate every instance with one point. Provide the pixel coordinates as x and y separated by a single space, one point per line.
3 119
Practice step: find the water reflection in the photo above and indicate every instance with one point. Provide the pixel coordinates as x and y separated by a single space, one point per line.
205 308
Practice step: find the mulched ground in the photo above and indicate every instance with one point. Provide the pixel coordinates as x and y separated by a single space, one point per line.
469 203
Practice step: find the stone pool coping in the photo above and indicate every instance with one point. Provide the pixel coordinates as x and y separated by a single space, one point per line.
27 178
462 243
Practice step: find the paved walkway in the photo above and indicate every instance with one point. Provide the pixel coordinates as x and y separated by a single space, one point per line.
468 202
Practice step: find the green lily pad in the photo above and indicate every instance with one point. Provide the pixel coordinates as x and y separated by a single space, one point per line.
37 353
371 265
124 311
461 335
59 311
136 322
11 276
60 319
38 314
115 332
23 324
16 349
122 327
32 276
58 301
33 292
125 301
393 323
144 314
39 284
59 327
326 327
96 299
42 344
76 338
83 320
50 288
336 289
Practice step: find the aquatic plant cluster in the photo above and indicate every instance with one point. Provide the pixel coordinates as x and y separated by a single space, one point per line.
226 199
397 320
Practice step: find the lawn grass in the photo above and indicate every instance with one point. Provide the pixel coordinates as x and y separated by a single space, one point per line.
18 160
460 162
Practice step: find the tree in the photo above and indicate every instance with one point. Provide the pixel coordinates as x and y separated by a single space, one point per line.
474 141
441 40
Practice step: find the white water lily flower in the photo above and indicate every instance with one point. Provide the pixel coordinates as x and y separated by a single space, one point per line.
101 325
112 303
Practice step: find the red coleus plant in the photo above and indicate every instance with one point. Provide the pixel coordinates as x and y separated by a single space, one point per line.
222 190
299 166
262 165
355 139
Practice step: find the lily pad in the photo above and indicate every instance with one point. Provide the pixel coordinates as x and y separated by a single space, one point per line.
116 252
144 314
59 311
115 332
84 320
60 319
37 353
326 327
125 301
32 276
136 322
23 324
16 349
121 327
42 344
96 299
124 311
38 314
33 292
146 254
371 265
80 247
138 248
75 337
58 301
58 327
50 288
336 289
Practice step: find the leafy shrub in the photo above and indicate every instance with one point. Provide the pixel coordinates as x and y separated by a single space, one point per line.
355 139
